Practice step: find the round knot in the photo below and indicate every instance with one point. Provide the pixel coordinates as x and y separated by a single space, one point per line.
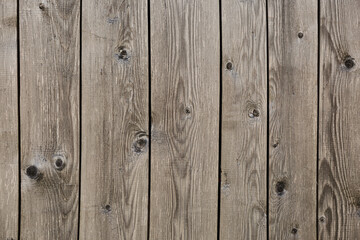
33 172
59 162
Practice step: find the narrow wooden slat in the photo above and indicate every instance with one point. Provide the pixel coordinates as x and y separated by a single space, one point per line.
292 118
244 120
339 138
115 120
9 185
49 103
185 119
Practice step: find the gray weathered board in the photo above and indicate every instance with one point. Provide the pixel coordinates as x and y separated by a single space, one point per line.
179 119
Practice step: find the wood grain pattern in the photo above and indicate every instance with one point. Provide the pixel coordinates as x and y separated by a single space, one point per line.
49 103
292 118
9 157
339 192
185 119
115 120
244 121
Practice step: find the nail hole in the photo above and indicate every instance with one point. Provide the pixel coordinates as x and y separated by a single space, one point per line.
300 35
322 219
187 110
229 66
32 172
294 230
349 62
280 188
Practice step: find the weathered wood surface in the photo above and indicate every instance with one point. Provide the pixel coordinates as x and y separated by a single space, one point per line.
244 121
9 177
185 87
339 192
288 153
49 109
293 36
115 120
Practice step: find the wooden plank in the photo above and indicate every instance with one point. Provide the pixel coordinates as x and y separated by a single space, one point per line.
185 119
292 118
115 120
49 103
9 157
244 121
339 193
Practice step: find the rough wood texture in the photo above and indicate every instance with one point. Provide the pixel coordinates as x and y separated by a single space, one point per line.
244 120
49 91
293 118
115 117
339 192
185 117
9 180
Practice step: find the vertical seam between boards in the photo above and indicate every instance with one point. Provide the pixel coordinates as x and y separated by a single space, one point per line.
220 120
80 115
18 114
267 123
318 121
149 114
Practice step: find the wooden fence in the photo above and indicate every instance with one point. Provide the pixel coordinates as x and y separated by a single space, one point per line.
179 119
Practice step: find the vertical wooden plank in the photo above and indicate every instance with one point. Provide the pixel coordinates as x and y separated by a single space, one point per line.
185 119
9 185
49 103
292 118
244 120
339 193
115 117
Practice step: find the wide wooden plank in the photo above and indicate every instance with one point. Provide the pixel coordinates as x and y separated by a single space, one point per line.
115 120
292 118
9 157
339 172
185 119
49 107
244 121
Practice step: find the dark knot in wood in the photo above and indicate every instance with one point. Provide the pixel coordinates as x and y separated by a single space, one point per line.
123 54
59 162
254 113
108 208
140 144
42 6
294 230
280 188
33 172
229 66
349 62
